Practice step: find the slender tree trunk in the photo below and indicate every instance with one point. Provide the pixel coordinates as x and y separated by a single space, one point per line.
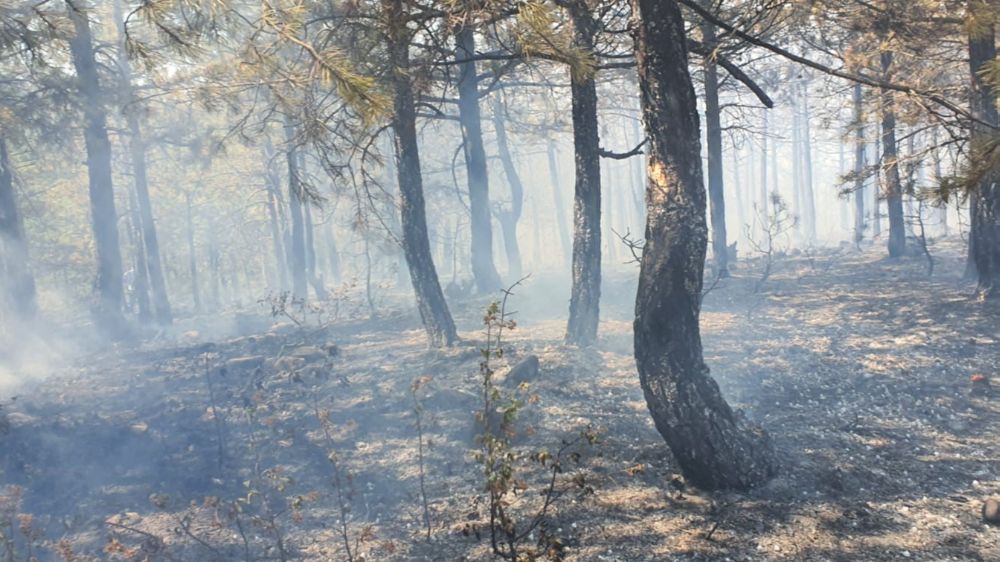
297 258
137 146
936 157
876 187
713 125
140 267
19 282
272 185
430 300
192 257
808 197
483 268
841 168
737 190
890 163
859 166
509 217
765 197
584 304
984 235
557 201
714 447
104 219
333 256
797 191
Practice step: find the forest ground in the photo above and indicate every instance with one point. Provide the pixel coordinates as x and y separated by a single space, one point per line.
210 444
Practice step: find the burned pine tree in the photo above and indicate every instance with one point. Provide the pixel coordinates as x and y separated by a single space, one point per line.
433 309
470 119
984 238
714 447
107 310
585 296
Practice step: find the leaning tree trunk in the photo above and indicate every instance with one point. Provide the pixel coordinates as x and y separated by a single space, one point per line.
984 238
19 282
483 268
430 300
714 447
151 244
511 216
104 219
859 166
890 163
585 296
713 124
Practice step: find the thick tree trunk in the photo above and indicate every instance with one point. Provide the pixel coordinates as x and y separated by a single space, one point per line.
565 245
585 296
104 219
430 300
483 268
890 164
297 257
714 447
19 282
192 257
158 287
984 236
859 166
713 125
511 216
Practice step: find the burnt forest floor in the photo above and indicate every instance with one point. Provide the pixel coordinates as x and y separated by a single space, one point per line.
275 442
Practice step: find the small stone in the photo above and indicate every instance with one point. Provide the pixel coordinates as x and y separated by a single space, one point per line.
991 511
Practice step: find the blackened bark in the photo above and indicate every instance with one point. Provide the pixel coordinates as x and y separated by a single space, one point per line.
107 310
140 269
716 186
984 238
585 296
714 447
859 166
430 300
557 201
137 147
19 283
509 217
890 165
483 268
297 255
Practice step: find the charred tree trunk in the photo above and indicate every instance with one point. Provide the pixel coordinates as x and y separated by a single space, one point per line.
107 310
297 257
430 300
151 244
765 197
714 447
713 125
984 235
19 282
585 296
890 164
483 268
859 166
557 201
511 216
